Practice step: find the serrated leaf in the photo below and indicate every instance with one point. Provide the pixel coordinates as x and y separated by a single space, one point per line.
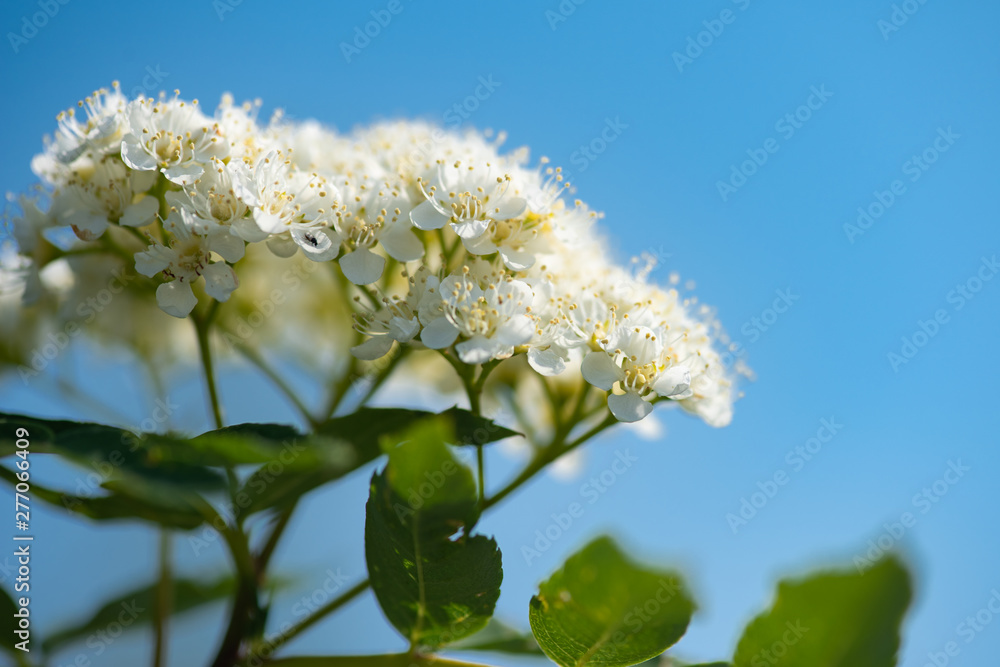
435 582
833 619
134 609
603 609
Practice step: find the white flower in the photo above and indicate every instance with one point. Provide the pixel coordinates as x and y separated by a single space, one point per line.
468 198
171 136
100 131
187 258
371 214
632 368
214 200
491 321
396 320
108 194
295 209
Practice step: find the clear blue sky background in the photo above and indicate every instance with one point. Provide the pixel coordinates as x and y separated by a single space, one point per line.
826 357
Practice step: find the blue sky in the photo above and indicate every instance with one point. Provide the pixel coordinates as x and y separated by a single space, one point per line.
835 107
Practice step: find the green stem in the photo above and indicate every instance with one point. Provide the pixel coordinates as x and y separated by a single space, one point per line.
264 557
481 466
544 458
202 325
246 606
164 588
257 360
273 644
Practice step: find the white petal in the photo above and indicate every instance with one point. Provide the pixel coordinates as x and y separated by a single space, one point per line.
176 298
374 348
517 260
425 216
480 245
362 266
675 383
86 225
470 229
599 370
477 350
184 174
316 244
439 334
247 229
268 222
282 246
243 184
402 244
518 330
135 155
220 280
403 329
628 407
140 214
150 263
546 362
231 248
509 207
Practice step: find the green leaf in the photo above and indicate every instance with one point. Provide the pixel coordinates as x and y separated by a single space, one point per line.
368 425
833 619
135 608
127 500
501 638
471 429
353 441
435 582
109 451
602 609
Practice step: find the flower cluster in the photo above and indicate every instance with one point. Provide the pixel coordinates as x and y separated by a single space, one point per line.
445 242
